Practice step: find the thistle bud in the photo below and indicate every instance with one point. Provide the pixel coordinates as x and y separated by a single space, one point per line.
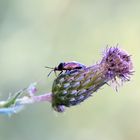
75 86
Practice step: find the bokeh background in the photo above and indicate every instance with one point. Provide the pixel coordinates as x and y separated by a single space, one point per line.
38 33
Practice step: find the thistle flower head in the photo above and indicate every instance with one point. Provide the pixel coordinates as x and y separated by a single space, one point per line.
75 86
117 63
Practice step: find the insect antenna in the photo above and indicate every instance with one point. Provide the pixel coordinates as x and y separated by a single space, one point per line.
49 67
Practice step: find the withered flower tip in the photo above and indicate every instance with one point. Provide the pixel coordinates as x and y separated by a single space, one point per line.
117 63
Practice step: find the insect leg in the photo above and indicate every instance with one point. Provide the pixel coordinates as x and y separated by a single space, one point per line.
55 73
60 73
50 72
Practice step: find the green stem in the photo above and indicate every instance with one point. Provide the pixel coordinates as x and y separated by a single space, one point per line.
12 100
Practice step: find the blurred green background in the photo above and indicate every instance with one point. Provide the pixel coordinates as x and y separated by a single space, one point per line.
38 33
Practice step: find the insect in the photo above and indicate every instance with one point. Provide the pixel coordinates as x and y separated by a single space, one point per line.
67 66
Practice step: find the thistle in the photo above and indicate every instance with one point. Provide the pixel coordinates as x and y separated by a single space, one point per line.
76 84
73 87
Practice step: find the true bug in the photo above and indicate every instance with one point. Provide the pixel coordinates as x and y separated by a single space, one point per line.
67 66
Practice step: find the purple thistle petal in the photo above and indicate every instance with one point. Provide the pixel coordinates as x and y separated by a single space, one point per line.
117 63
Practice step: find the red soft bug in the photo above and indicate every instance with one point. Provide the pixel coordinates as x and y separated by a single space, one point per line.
67 66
